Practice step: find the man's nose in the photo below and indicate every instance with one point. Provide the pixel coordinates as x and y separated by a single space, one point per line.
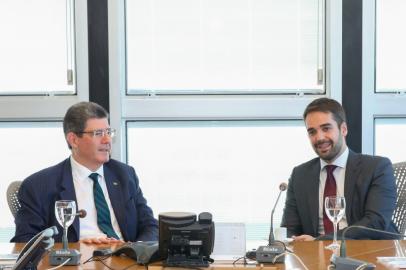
106 138
319 136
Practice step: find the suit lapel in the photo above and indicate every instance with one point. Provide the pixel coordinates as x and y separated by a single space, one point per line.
351 175
114 188
313 191
68 191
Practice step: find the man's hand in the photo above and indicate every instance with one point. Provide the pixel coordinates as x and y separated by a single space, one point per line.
303 237
101 240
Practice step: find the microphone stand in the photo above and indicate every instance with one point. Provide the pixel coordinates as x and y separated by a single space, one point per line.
65 236
65 255
271 233
267 254
342 262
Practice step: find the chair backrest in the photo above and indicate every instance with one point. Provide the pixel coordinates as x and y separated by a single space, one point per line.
12 199
399 216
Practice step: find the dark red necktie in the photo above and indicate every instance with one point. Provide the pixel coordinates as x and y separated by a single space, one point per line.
330 189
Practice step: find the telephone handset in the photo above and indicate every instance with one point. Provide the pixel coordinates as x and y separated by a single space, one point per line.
34 250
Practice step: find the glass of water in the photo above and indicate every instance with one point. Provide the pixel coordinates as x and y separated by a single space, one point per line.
65 212
335 209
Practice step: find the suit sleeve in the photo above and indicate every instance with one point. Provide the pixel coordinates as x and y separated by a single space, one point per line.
290 218
147 224
380 202
29 219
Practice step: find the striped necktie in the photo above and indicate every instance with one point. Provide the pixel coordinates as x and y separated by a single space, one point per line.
103 213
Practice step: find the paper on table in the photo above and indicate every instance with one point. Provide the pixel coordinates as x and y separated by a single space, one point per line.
393 262
8 259
229 242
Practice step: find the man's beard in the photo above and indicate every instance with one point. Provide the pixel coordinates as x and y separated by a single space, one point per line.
332 153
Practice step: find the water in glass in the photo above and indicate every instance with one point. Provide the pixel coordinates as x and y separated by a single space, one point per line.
335 213
65 212
335 210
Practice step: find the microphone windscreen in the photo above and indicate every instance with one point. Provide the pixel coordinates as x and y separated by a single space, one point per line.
48 233
82 213
283 186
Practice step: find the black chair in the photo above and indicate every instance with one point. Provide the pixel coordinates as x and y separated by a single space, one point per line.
12 199
399 216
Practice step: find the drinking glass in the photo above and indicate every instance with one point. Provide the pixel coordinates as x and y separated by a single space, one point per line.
65 212
335 209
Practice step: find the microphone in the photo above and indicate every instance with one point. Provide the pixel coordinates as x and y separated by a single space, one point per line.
266 254
282 187
65 255
342 262
81 214
48 233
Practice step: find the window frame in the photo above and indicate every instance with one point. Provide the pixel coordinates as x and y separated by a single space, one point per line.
7 227
374 104
387 117
209 107
271 181
398 91
51 106
246 92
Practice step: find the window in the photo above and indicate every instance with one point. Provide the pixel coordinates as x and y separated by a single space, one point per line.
37 48
229 168
383 81
390 46
218 72
389 135
27 147
224 46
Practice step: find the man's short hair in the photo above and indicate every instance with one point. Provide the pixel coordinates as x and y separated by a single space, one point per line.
77 115
327 105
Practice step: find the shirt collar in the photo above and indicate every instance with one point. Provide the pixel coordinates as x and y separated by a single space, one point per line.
81 172
341 161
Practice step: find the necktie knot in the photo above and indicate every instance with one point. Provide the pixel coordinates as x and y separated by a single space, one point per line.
330 168
94 177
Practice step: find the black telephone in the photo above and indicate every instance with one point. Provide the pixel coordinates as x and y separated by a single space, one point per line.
34 250
142 252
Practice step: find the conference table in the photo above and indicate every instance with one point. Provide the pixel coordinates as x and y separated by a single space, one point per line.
313 254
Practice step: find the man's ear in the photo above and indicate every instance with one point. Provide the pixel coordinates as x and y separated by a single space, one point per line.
344 129
71 138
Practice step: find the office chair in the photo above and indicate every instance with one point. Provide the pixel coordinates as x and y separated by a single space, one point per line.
12 198
399 216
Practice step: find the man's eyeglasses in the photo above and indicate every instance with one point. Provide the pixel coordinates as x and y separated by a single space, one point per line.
100 133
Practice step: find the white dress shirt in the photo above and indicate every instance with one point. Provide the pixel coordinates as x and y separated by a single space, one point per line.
84 199
339 175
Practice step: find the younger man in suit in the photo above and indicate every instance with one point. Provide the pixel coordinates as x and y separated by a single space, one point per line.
366 182
106 189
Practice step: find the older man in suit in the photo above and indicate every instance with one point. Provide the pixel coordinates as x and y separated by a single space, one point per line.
107 189
366 182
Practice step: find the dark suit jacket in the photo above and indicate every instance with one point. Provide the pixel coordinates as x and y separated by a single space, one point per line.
369 190
39 192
